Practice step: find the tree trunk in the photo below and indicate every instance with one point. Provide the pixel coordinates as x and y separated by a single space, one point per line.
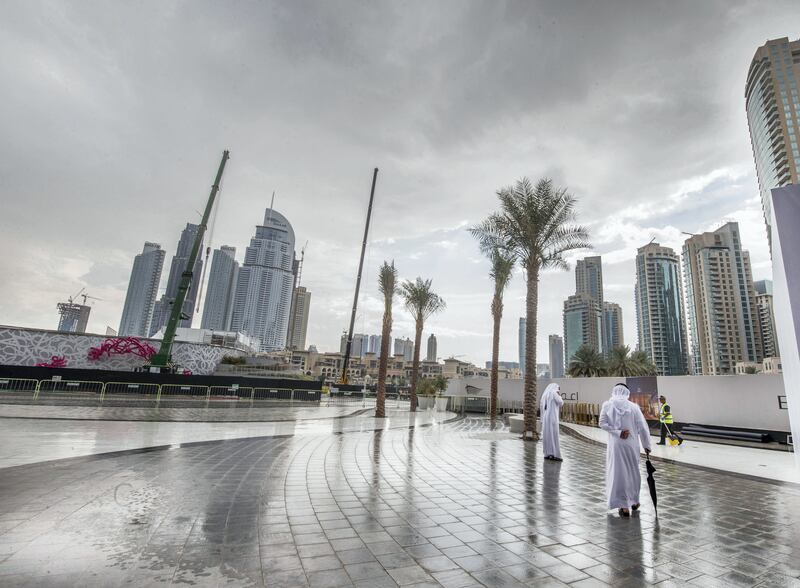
383 363
415 366
531 307
497 315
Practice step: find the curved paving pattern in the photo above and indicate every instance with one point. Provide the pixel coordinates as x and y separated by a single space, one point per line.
452 505
198 414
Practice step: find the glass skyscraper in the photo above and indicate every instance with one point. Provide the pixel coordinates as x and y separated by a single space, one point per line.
583 325
659 309
772 100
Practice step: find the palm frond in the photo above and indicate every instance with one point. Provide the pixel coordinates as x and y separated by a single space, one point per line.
420 300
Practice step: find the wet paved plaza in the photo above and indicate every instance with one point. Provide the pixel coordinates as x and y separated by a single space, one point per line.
451 505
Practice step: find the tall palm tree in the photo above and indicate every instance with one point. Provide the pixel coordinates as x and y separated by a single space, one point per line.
586 363
502 266
622 364
644 364
536 224
387 284
421 302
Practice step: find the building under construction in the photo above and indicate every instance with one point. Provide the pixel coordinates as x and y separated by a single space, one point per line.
73 317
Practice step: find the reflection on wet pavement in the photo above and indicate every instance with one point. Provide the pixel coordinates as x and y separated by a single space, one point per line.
452 505
26 441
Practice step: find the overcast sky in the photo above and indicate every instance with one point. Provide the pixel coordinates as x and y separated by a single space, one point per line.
115 114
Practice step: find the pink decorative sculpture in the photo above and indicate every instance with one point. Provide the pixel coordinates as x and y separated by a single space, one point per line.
122 346
56 361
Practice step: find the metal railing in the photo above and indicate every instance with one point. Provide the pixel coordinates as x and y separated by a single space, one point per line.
21 389
128 389
69 388
583 413
23 385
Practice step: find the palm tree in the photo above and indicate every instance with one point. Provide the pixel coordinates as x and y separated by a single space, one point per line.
586 363
387 284
644 364
622 364
502 266
536 224
421 302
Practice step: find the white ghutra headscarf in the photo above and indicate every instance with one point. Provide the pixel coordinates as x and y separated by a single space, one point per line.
547 395
619 405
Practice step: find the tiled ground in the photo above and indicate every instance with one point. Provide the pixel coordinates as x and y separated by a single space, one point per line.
451 505
244 413
29 440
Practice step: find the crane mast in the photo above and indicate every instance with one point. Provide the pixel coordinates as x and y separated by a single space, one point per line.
348 348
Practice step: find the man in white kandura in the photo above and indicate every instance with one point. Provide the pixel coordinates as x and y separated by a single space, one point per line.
626 426
551 405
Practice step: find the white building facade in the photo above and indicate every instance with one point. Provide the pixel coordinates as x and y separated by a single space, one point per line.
263 296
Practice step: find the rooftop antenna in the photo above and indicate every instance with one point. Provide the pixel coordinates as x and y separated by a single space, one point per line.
271 204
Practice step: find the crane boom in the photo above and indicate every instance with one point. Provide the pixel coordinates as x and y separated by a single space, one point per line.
163 358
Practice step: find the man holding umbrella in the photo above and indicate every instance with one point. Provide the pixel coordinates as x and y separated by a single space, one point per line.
626 427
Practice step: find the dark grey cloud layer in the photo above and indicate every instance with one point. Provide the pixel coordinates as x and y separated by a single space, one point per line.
114 116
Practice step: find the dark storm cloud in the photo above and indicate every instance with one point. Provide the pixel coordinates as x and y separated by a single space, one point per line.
114 116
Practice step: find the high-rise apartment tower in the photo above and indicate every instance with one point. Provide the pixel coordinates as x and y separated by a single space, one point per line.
218 307
766 317
556 356
142 290
721 301
772 101
589 282
298 323
431 355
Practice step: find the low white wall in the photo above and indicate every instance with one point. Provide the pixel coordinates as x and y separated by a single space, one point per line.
751 402
20 346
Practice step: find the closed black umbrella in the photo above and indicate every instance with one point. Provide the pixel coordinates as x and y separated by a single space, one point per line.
651 483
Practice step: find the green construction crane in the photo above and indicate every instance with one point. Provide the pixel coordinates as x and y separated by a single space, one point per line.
163 358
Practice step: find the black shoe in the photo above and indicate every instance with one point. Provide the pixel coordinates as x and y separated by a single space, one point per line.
624 513
635 507
556 459
660 443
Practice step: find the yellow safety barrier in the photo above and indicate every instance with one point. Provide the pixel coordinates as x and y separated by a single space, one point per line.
128 388
59 386
19 385
284 394
233 391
